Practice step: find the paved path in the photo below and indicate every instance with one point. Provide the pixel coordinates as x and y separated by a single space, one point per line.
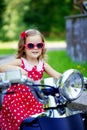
56 46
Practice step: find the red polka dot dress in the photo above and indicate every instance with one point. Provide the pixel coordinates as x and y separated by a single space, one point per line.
20 105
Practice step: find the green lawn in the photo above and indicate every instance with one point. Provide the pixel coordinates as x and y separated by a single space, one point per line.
60 61
7 47
7 51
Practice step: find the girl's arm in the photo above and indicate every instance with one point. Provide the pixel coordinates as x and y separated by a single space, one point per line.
51 72
16 64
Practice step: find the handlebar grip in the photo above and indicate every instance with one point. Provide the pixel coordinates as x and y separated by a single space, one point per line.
49 91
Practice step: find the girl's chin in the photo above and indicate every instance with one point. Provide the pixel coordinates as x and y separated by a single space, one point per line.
35 56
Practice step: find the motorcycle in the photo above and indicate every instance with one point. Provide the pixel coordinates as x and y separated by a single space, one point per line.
56 95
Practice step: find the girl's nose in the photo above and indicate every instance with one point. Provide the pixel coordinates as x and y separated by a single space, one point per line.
35 47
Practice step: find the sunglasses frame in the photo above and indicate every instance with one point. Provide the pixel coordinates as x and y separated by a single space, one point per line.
34 45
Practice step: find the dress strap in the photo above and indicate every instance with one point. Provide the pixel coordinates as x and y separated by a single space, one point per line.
22 65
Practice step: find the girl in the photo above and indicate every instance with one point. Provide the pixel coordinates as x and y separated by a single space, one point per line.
30 59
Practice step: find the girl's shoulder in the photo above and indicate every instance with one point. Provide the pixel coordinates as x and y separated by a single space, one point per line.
41 61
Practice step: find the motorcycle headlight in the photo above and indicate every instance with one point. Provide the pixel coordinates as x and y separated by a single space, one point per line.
71 84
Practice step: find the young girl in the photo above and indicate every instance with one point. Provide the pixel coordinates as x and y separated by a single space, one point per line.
30 59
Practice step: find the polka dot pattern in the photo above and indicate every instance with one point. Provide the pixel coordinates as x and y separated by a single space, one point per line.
20 105
34 72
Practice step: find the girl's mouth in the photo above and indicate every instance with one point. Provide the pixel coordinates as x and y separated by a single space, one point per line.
35 52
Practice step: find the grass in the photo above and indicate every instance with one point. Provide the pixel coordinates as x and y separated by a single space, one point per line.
59 60
7 48
7 51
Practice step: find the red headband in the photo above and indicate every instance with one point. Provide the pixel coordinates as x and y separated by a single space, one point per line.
23 35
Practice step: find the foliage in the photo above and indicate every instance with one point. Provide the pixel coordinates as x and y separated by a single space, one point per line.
12 20
46 15
2 10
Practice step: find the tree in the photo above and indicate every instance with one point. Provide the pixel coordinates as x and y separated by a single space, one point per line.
48 15
12 19
2 10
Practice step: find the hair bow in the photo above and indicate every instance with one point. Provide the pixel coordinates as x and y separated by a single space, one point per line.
23 35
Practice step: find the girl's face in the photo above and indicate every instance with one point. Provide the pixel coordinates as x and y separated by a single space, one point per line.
33 46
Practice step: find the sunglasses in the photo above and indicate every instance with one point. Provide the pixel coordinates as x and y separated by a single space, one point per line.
32 46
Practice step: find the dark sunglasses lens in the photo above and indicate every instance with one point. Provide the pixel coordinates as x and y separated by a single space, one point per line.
30 45
40 45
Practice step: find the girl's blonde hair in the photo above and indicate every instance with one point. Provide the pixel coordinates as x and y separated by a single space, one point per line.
22 41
